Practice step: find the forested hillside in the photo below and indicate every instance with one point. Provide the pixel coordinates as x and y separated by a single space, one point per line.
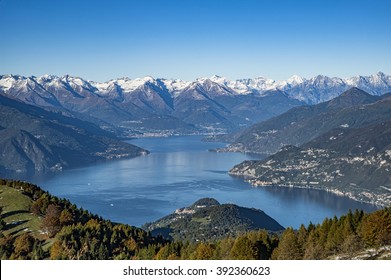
208 220
37 225
42 226
353 236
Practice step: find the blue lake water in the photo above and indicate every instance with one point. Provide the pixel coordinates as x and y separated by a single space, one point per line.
177 172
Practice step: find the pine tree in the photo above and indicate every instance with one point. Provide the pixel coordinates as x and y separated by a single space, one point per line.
289 247
376 228
243 249
302 236
204 251
313 249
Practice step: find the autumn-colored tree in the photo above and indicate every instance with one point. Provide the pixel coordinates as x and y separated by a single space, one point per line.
163 253
334 237
51 221
66 217
243 249
204 251
23 246
302 236
288 248
39 206
376 228
6 246
131 244
170 251
56 251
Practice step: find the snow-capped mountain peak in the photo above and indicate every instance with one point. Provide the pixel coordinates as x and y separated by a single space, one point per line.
47 77
295 79
314 90
378 78
218 79
8 81
129 85
175 87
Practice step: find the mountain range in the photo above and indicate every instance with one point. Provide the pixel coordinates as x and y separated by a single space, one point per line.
147 106
351 162
342 145
36 140
353 108
51 122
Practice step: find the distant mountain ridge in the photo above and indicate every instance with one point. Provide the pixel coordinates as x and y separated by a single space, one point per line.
354 108
313 90
34 140
149 105
342 145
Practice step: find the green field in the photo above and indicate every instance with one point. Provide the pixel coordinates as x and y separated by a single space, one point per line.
16 212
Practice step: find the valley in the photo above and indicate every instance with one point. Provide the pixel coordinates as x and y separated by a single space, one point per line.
132 107
132 150
177 172
63 119
195 130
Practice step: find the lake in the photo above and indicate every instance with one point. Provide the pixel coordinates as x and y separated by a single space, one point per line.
177 172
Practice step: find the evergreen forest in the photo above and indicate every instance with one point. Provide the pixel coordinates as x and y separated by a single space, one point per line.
37 225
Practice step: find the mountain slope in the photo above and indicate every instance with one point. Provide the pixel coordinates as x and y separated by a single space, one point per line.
252 108
37 225
350 161
207 219
36 140
354 108
311 91
129 108
147 105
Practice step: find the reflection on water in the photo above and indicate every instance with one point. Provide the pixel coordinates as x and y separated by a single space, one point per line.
179 171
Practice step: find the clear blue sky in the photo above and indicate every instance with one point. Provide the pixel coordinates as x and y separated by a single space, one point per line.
186 39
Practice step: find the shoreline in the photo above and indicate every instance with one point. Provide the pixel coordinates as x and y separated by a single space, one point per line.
253 183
